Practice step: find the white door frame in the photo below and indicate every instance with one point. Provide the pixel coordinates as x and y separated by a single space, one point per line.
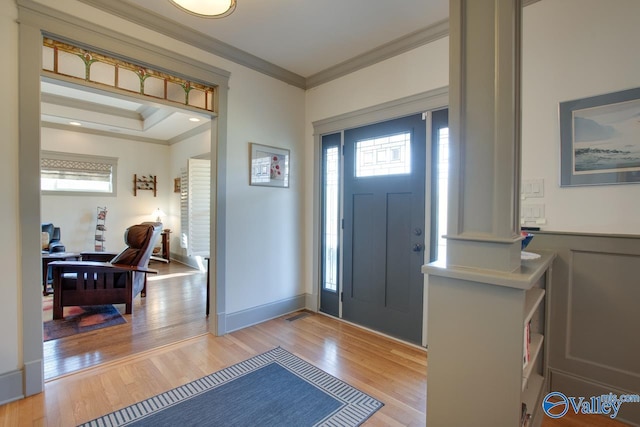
34 24
423 102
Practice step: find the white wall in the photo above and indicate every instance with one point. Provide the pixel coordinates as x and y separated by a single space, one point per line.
76 215
571 49
264 110
10 334
264 224
574 49
422 69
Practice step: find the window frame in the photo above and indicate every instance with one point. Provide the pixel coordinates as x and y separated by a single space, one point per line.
73 157
375 146
326 146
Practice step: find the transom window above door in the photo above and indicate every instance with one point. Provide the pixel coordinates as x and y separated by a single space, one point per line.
387 155
78 64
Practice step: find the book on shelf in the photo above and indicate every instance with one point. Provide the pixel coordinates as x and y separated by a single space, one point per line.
525 416
526 350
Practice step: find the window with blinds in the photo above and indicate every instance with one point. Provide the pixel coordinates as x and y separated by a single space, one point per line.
79 174
195 202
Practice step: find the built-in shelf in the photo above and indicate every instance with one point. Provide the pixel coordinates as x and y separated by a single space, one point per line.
533 390
534 380
532 301
505 314
535 350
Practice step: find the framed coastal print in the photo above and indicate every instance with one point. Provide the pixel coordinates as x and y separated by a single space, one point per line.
600 139
269 166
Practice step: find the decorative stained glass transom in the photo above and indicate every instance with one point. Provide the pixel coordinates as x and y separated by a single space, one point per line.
74 62
387 155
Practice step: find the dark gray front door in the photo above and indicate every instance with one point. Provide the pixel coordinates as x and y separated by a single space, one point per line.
384 186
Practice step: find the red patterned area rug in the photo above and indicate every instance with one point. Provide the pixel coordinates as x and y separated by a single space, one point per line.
78 319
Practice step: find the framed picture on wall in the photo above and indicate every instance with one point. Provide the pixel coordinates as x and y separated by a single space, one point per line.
268 166
600 139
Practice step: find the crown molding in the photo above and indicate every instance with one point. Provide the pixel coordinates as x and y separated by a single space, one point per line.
386 51
118 135
176 139
380 53
160 24
188 134
78 104
79 32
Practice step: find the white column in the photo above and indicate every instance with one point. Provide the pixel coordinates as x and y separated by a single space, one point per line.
484 122
476 299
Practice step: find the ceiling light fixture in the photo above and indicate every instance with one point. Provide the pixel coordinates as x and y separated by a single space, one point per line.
206 8
75 123
194 119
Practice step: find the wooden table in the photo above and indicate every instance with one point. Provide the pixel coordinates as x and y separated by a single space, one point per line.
50 257
166 252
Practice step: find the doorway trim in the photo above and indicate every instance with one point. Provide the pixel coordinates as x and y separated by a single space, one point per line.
418 103
37 20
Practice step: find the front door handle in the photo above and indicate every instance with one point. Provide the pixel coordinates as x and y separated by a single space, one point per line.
417 247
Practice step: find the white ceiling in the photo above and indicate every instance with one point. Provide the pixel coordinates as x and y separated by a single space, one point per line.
304 37
309 36
106 113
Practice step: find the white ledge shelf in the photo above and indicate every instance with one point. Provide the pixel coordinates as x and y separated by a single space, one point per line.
523 278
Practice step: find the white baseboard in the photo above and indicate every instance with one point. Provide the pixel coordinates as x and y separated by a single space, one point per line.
186 260
33 377
311 302
10 387
262 313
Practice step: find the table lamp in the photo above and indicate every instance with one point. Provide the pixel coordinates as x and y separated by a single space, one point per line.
158 214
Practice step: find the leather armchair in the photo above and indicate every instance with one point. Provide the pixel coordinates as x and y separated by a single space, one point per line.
116 282
54 238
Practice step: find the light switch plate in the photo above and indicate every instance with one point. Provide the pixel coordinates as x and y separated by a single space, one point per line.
532 188
532 213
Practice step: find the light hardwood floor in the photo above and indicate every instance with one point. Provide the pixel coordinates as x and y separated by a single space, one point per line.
174 309
392 372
